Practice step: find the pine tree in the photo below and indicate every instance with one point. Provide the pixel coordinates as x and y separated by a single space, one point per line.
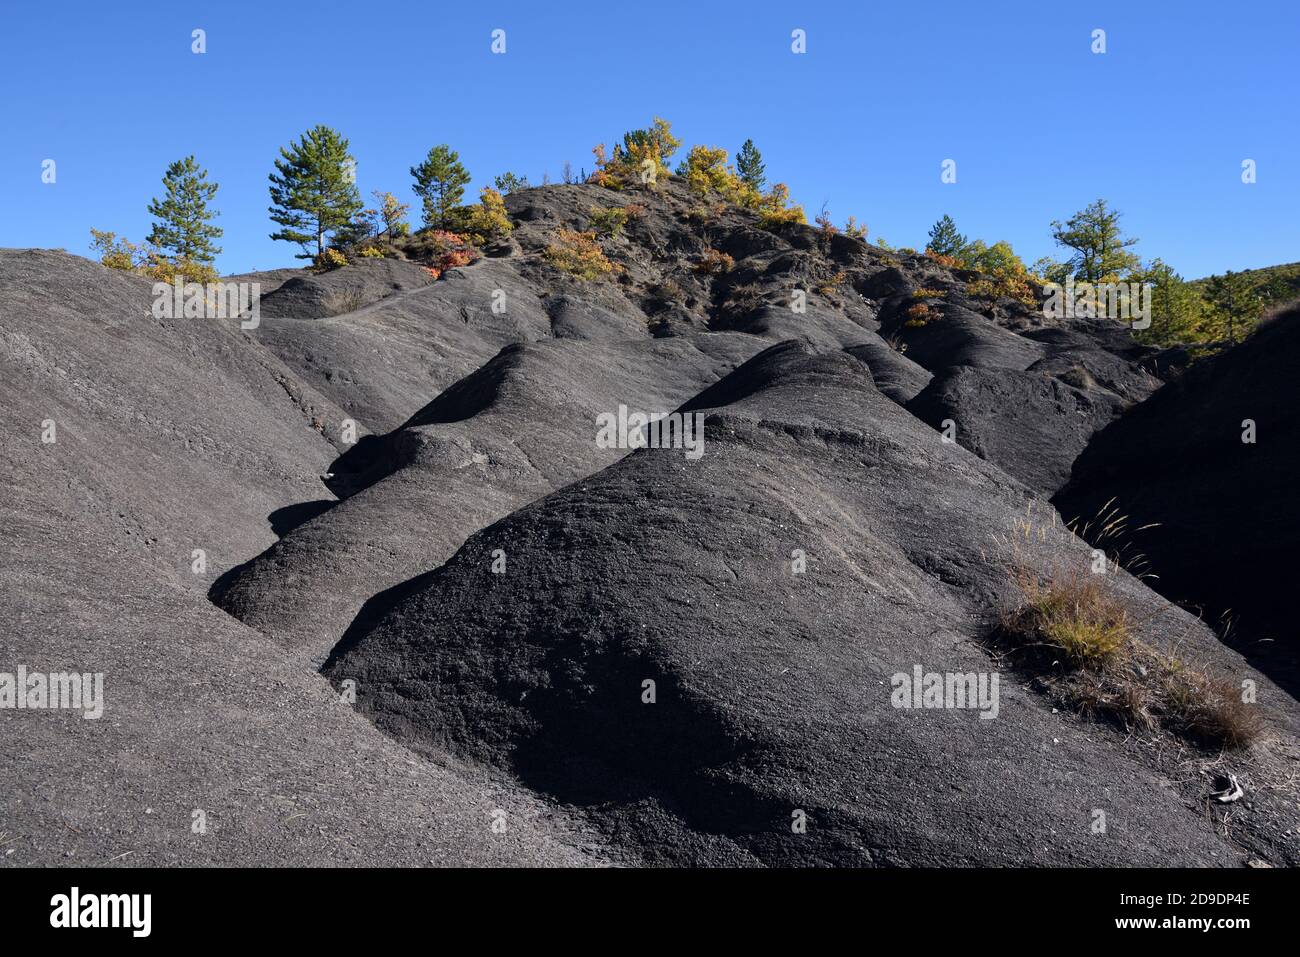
750 167
508 182
1100 248
184 227
1235 303
314 190
944 238
1177 310
643 153
440 181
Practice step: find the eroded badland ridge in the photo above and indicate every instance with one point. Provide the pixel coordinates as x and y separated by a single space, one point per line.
569 651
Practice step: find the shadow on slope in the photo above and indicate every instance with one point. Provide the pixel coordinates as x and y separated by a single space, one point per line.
520 426
1205 471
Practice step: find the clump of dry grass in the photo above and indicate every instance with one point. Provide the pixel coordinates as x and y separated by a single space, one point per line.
714 262
1075 616
1109 531
1079 640
1113 695
343 301
1209 709
831 286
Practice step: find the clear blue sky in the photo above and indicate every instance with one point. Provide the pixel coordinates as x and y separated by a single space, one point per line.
1038 124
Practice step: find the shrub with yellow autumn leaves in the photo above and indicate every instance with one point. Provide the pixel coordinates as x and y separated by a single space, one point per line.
578 254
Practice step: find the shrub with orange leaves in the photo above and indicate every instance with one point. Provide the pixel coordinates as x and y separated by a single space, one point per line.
445 237
455 258
443 250
918 315
714 262
429 246
952 262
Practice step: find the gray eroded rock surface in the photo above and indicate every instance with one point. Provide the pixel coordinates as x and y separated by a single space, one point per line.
170 436
522 691
773 689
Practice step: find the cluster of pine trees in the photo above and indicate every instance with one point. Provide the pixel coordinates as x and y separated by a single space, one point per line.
315 201
316 204
1219 309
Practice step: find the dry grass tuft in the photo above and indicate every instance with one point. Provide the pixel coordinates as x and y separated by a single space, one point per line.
1075 616
343 301
1209 709
1109 531
1079 640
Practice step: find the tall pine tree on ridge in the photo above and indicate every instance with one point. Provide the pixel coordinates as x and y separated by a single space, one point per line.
440 182
750 166
184 222
314 190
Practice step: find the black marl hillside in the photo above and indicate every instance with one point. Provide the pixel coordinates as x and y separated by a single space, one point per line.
619 655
